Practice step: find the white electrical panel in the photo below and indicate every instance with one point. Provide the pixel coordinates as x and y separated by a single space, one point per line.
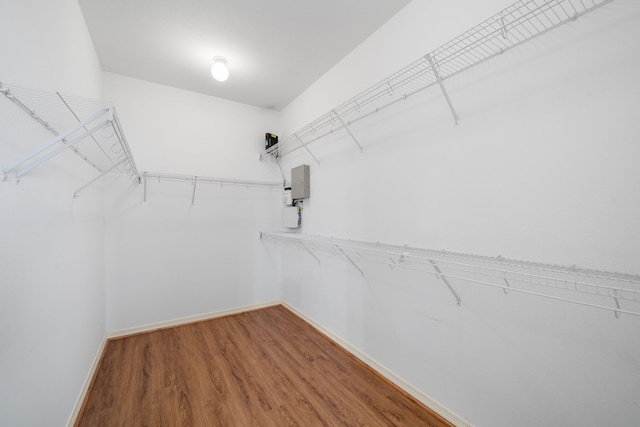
290 217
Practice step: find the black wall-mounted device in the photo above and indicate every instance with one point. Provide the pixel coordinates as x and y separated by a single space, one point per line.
270 140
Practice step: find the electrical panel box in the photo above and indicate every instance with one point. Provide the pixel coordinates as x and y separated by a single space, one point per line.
300 187
290 217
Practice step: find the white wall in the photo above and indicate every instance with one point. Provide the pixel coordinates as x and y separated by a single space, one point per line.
174 130
542 167
167 259
52 252
46 45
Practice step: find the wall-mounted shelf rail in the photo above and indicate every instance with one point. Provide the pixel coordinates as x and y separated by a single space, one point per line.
522 21
196 180
616 292
88 127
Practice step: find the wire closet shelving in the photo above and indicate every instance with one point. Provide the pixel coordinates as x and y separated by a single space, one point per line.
616 292
522 21
90 128
195 180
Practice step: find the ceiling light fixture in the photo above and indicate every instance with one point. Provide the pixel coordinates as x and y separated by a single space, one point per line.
219 70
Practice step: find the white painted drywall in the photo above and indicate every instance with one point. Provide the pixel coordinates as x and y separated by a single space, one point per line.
174 130
52 319
47 45
542 167
167 259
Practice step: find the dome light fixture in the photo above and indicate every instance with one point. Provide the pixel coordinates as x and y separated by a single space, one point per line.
219 69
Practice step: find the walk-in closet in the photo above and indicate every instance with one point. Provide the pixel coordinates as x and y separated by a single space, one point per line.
348 212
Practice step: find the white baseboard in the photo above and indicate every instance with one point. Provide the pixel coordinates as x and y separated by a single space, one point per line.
87 383
189 319
416 393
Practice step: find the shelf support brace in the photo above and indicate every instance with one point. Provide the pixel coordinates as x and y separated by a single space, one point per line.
350 260
346 127
58 138
125 145
144 194
193 195
444 279
615 298
76 194
503 26
310 252
306 148
456 118
60 149
505 290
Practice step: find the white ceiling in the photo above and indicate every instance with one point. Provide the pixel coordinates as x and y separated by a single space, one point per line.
275 49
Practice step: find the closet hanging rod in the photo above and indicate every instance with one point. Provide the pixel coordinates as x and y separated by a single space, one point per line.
521 22
209 180
610 291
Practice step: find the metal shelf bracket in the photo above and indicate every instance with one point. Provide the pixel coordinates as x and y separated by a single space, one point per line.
193 195
306 148
347 129
310 252
506 289
436 73
350 260
144 191
446 282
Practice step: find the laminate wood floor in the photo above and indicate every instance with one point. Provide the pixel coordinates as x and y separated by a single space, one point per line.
261 368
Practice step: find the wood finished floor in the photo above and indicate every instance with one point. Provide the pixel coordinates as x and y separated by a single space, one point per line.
262 368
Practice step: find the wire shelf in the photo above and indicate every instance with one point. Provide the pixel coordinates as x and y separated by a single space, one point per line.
519 23
195 180
605 290
209 180
88 127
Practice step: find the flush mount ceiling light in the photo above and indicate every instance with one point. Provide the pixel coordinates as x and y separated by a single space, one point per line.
219 69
